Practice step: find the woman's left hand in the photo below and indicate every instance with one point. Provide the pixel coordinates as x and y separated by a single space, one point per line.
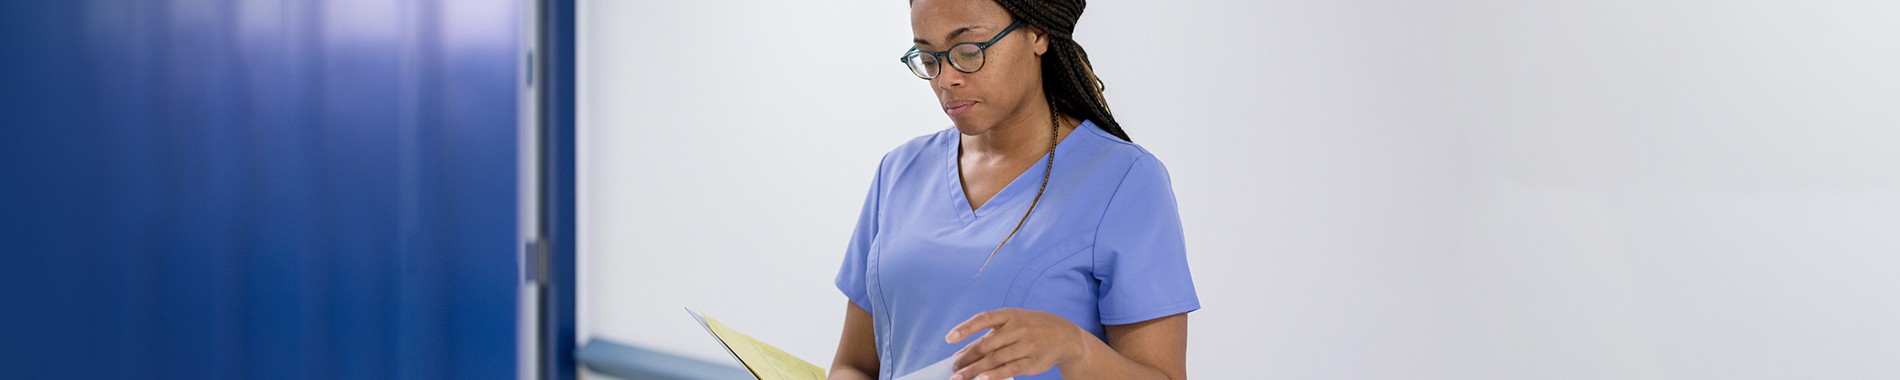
1020 342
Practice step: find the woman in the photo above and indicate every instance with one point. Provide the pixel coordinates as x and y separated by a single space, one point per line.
1035 218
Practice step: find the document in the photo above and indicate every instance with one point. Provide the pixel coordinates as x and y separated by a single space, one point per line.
939 371
765 362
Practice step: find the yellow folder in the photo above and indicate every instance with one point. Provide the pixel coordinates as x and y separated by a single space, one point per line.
765 362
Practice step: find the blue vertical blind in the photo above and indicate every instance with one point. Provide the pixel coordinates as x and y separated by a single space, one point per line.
289 189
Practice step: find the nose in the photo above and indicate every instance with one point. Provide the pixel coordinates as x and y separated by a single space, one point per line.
948 77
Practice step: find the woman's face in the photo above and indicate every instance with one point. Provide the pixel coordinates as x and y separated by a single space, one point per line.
1011 71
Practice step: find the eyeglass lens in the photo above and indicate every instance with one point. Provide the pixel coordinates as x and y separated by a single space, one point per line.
966 57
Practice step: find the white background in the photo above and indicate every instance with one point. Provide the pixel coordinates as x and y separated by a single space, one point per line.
1371 190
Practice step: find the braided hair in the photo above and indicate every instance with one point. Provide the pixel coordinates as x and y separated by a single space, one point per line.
1067 76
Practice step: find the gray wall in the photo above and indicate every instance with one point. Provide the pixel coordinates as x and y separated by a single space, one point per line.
1372 190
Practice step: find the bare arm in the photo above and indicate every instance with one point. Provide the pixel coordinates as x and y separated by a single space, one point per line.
1138 351
857 348
1025 342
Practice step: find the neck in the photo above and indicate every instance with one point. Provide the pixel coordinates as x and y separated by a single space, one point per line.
1025 134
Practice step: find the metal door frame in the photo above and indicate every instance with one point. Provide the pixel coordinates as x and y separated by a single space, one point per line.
546 351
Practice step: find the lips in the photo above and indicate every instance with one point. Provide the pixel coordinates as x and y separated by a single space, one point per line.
958 107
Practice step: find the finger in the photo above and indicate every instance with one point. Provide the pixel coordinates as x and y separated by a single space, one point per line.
1005 354
990 342
994 340
971 352
1009 369
980 322
979 363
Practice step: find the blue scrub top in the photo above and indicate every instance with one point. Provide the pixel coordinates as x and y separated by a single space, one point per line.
1104 247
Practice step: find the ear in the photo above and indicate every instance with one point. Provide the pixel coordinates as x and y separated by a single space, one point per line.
1038 40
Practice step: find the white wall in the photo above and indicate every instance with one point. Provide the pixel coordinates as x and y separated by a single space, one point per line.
1372 190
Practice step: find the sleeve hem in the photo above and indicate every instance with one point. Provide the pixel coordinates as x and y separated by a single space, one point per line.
1150 314
862 300
861 304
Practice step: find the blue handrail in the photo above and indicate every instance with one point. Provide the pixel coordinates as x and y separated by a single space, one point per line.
635 363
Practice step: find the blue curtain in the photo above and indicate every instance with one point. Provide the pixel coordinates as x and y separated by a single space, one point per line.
296 189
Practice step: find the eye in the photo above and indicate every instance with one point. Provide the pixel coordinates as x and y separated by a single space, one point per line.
966 52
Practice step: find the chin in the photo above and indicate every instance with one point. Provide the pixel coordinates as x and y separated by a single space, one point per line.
969 126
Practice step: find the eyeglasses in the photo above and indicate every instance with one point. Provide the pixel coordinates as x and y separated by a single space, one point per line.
966 57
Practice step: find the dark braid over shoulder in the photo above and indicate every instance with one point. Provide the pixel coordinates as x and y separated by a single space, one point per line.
1066 73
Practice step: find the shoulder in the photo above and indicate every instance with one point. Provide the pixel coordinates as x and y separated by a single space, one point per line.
1109 155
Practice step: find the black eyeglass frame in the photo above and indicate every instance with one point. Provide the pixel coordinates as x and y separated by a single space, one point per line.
982 51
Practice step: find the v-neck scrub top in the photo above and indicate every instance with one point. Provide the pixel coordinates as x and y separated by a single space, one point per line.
1104 246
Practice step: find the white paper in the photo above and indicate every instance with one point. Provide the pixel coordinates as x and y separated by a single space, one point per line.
722 343
939 371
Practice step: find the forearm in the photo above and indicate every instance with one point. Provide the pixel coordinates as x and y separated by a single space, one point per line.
1099 361
845 372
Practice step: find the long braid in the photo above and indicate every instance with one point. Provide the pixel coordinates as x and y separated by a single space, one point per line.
1066 73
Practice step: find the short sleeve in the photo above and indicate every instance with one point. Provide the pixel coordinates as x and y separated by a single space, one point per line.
851 274
1140 254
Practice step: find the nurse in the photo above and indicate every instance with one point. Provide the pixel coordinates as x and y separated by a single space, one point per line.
1034 239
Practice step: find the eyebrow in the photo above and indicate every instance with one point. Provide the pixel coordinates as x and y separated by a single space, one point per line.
950 37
